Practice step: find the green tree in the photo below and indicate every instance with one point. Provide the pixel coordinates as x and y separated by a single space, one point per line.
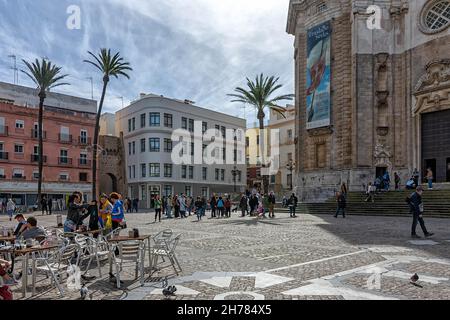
259 95
46 76
110 66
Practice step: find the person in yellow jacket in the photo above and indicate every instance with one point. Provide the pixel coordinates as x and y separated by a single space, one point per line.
105 212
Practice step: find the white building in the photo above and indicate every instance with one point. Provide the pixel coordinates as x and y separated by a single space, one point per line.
147 126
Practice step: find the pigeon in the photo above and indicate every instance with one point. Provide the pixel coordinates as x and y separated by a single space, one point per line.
169 291
414 278
84 292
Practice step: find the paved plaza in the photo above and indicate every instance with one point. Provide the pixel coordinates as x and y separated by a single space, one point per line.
310 257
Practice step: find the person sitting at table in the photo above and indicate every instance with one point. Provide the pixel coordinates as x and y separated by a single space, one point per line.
21 225
33 231
105 213
75 214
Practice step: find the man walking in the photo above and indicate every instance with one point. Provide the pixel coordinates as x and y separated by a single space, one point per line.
370 192
416 207
50 205
341 204
429 178
183 207
44 205
272 202
292 205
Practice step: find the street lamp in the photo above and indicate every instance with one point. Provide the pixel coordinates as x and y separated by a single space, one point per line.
290 167
234 172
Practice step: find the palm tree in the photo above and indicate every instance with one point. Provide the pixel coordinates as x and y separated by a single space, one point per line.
258 95
46 76
109 65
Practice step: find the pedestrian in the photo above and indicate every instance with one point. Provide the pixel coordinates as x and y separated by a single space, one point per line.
44 205
386 181
253 202
397 181
284 202
158 204
117 213
169 203
176 206
93 216
370 192
243 205
429 178
10 208
416 208
292 205
220 208
344 189
163 205
189 205
341 204
183 206
77 212
228 207
135 205
199 208
416 176
50 205
105 212
213 205
271 204
204 206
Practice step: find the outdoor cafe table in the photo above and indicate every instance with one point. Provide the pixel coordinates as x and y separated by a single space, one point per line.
89 232
26 254
141 238
7 239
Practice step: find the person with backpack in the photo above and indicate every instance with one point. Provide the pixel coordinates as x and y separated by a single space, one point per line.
198 205
220 208
341 204
228 207
243 205
416 208
271 204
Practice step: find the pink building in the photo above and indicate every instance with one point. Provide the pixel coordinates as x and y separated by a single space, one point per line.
68 129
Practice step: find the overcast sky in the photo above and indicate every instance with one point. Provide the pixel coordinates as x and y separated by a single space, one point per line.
187 49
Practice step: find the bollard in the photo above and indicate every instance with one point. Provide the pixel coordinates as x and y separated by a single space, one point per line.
59 220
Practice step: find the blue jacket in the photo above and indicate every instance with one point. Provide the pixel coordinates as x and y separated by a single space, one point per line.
117 211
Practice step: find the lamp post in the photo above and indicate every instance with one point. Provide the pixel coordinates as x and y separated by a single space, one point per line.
290 167
234 172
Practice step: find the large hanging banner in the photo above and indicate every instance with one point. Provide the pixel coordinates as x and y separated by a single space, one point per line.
318 101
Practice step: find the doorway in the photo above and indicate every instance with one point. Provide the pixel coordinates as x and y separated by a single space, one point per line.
380 171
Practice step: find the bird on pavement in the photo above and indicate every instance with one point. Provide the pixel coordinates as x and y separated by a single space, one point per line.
414 278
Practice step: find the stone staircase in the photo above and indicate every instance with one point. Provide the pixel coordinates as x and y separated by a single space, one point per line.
436 203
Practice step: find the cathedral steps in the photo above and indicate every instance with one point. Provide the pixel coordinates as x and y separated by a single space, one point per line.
436 203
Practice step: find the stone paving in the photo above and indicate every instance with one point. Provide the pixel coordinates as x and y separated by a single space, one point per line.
308 258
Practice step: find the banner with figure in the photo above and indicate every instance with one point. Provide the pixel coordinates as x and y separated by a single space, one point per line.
318 101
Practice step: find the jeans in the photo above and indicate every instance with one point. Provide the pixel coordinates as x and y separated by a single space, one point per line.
371 197
292 211
339 210
417 217
430 183
183 214
69 226
220 212
169 212
158 214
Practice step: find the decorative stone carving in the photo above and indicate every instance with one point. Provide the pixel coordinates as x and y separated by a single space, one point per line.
382 155
437 75
320 131
382 131
382 98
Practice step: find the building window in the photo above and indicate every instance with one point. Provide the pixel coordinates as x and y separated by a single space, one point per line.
188 191
205 173
224 131
191 125
63 156
321 7
134 147
167 190
247 141
83 137
143 145
143 170
18 148
204 127
83 159
168 145
192 148
129 148
155 120
272 179
83 177
168 168
134 172
129 172
129 125
435 17
64 176
222 174
257 139
20 124
217 174
224 154
168 120
133 124
191 172
35 175
154 144
18 173
143 116
183 172
155 170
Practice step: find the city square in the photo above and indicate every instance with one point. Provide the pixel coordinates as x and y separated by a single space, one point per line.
313 257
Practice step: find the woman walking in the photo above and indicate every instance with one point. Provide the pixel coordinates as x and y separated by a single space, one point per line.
243 205
158 204
169 202
228 207
199 208
220 207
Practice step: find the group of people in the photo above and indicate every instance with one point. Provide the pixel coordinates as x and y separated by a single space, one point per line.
414 181
131 205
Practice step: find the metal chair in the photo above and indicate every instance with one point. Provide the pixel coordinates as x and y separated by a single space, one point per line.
55 264
167 249
129 251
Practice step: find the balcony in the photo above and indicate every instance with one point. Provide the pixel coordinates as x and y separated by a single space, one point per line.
35 158
35 134
4 156
64 161
3 131
84 141
19 178
84 163
64 138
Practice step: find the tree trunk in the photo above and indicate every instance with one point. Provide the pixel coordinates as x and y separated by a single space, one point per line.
96 134
265 178
42 97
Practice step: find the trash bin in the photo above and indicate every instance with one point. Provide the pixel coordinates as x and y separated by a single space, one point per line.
59 220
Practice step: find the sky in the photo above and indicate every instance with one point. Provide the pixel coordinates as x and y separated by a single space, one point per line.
198 50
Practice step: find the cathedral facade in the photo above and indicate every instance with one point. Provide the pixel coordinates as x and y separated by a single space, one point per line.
372 91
